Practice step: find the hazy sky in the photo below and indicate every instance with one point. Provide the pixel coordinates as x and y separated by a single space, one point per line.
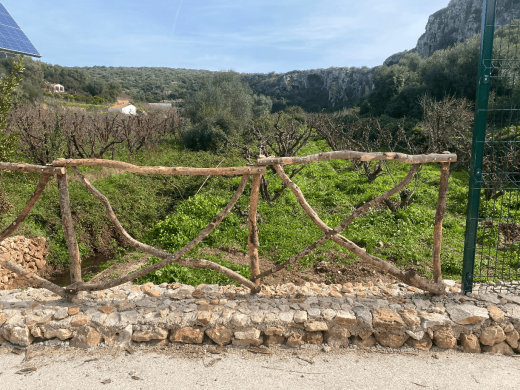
244 35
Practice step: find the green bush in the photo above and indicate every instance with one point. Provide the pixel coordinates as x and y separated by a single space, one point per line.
189 219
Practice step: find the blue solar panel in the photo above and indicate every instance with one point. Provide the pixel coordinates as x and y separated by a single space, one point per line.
6 19
12 38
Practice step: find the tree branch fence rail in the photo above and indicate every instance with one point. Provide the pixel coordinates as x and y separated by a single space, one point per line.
58 168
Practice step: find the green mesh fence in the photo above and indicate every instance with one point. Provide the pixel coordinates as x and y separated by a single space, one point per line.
492 245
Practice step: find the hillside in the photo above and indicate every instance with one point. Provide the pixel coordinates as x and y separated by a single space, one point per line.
332 89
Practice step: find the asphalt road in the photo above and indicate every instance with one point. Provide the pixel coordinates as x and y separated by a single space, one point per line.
195 368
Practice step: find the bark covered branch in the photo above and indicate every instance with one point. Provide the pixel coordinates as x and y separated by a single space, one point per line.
359 211
28 207
410 278
94 162
361 156
168 257
34 278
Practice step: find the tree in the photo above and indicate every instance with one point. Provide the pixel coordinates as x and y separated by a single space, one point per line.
95 87
282 134
447 125
388 83
218 112
112 91
7 87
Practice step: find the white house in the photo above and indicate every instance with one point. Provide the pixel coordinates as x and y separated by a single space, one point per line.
57 88
124 108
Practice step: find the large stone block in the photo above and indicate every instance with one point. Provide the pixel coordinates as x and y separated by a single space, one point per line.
512 338
492 335
429 320
119 339
345 318
386 318
501 348
443 338
424 344
204 317
470 342
80 320
247 334
337 337
220 335
62 334
239 320
300 316
467 314
388 339
19 336
496 314
86 337
149 334
187 335
61 313
316 326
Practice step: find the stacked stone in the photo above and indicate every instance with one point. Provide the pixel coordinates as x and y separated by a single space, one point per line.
30 253
285 315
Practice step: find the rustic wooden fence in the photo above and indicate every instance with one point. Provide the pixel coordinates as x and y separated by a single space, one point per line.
59 169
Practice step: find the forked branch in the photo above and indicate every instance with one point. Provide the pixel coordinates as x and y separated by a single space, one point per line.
28 207
168 257
359 211
410 278
35 279
94 162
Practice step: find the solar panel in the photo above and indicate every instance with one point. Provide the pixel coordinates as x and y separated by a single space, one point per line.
12 38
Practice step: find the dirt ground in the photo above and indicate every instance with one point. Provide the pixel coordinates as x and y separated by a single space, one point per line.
329 272
207 367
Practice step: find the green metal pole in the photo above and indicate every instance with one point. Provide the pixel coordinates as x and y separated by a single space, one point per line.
479 137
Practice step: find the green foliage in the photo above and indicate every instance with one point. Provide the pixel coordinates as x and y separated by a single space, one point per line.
193 276
112 91
188 220
8 86
95 87
8 147
218 111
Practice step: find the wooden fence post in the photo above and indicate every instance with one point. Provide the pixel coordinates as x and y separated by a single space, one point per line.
252 242
439 216
68 228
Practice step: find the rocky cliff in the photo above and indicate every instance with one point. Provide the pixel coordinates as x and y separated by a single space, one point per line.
315 89
460 20
336 88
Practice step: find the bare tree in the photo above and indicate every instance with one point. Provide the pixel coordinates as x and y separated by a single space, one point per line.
47 133
282 135
346 131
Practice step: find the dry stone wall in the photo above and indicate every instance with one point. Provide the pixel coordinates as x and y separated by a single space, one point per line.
30 253
330 316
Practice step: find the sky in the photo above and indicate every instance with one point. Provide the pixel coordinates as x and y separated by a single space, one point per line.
248 36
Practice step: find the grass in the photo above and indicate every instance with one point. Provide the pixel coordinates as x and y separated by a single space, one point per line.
164 211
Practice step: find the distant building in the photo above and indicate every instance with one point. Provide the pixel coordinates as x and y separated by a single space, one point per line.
128 109
161 105
56 88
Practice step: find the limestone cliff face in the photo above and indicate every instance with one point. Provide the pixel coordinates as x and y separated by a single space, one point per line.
460 20
315 89
336 88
